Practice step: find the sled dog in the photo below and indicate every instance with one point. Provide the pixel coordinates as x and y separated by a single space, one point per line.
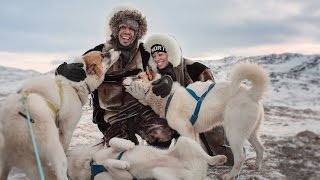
1 148
55 107
232 104
123 160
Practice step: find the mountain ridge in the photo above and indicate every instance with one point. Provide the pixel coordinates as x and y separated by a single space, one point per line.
295 78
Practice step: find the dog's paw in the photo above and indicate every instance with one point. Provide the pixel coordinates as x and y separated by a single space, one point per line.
118 164
126 165
218 160
254 166
120 144
227 177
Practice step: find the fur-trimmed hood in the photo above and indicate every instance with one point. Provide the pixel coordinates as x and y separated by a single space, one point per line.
170 44
122 13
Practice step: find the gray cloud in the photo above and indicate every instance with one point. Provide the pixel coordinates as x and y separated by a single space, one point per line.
77 25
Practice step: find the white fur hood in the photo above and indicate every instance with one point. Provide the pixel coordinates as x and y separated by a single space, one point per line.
170 44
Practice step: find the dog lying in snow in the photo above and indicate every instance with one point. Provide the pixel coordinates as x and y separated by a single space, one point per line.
123 160
229 103
55 107
82 162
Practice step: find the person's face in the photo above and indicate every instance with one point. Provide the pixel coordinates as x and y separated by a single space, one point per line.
126 35
161 59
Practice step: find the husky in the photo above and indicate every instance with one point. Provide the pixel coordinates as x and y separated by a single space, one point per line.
1 148
232 104
123 160
53 105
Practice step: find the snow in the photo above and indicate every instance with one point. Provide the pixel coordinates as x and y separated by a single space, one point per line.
290 131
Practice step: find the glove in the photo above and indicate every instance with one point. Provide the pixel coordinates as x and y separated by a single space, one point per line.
72 71
162 87
137 91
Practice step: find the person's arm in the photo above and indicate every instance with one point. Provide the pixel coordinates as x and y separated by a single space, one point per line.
72 71
199 72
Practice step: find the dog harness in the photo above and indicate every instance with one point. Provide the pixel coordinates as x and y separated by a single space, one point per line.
199 100
55 110
97 169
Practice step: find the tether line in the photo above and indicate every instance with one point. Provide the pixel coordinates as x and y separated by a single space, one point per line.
24 99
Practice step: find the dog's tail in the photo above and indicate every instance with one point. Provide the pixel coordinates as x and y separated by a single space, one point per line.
253 72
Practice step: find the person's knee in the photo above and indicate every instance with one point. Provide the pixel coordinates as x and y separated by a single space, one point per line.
161 137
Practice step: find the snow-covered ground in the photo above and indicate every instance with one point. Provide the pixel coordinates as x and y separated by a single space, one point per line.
290 132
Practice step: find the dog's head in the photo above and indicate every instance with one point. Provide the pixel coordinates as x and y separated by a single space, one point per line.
143 79
96 64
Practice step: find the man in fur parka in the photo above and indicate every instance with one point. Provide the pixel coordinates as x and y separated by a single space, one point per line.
116 112
166 58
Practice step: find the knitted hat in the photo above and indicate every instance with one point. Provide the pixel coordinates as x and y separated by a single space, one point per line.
129 16
157 48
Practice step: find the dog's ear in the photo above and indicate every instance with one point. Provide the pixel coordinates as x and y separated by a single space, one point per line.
151 74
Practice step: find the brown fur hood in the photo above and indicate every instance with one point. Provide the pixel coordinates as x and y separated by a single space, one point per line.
119 14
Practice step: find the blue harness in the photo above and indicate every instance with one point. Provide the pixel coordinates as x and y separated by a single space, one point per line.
97 169
199 100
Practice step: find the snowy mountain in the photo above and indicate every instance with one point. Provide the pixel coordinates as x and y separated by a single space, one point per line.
295 78
12 78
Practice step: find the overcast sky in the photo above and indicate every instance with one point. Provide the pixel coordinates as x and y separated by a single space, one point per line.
39 35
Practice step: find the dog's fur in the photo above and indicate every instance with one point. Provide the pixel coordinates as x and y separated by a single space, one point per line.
1 148
186 160
234 105
52 131
79 164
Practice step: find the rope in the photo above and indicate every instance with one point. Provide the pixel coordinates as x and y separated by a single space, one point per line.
24 99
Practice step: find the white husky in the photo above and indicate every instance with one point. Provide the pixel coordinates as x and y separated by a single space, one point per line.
1 148
123 161
229 103
55 107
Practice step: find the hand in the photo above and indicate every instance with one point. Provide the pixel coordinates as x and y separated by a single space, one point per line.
72 71
137 91
162 87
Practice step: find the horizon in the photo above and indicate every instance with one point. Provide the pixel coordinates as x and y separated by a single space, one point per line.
51 67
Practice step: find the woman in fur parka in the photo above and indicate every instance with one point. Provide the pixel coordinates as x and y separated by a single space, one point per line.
166 58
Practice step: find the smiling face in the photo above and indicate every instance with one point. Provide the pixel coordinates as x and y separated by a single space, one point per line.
126 35
161 59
